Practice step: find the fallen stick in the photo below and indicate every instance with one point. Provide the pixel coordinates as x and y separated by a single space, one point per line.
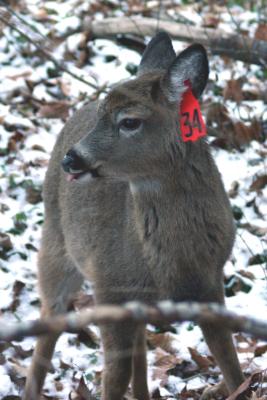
166 312
237 47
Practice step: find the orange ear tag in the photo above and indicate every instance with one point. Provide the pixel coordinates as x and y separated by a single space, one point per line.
191 123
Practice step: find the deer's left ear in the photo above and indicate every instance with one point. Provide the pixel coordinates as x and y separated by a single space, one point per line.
190 65
158 55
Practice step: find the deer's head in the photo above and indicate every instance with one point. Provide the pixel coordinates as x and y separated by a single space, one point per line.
138 121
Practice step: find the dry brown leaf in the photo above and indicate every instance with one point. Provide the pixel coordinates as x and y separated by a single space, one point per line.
65 87
83 300
246 274
261 32
203 362
217 113
233 91
14 140
17 287
188 394
246 387
18 368
210 21
89 338
254 229
38 147
162 340
260 350
5 242
233 191
163 362
25 74
82 392
244 134
259 183
231 134
41 15
55 109
33 195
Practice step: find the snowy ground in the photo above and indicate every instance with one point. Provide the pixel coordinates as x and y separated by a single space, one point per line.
35 99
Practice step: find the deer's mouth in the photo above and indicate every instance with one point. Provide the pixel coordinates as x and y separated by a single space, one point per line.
80 175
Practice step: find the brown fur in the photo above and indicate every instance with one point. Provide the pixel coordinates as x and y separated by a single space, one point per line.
155 225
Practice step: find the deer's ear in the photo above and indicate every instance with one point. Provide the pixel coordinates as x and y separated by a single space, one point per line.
190 65
158 55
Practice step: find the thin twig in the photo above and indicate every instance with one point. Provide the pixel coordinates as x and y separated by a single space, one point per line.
59 65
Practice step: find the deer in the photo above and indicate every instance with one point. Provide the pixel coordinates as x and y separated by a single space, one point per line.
140 213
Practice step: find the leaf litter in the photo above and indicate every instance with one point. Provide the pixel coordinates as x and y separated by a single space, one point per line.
36 98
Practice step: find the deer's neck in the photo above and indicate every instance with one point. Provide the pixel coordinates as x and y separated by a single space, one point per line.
166 204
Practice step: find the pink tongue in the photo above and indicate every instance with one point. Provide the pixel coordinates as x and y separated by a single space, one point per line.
71 177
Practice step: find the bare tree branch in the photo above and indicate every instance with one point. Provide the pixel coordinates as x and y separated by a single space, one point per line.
166 312
234 46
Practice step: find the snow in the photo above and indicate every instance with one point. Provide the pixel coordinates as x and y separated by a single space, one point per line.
29 162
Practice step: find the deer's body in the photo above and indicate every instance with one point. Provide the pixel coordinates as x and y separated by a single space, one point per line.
153 222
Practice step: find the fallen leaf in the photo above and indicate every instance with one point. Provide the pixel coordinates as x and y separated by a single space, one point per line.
33 194
210 21
244 134
38 147
246 274
63 365
17 138
261 32
248 386
203 362
233 191
89 338
18 368
163 363
230 134
24 74
259 183
17 288
188 394
162 340
65 87
235 284
260 350
82 392
83 300
59 386
217 114
258 258
165 360
54 109
5 242
254 229
233 91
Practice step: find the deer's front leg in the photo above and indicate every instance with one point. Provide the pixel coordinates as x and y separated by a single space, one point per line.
118 342
59 281
139 376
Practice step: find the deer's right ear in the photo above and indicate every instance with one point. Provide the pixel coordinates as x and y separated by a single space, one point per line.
158 55
190 65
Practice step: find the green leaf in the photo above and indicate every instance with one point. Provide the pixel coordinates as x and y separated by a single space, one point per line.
237 213
131 68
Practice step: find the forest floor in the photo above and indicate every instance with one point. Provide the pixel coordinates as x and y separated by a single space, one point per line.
36 98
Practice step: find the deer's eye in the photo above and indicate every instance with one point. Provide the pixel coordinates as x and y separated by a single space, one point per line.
130 124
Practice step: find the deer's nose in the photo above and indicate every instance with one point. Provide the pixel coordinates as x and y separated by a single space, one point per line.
73 162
